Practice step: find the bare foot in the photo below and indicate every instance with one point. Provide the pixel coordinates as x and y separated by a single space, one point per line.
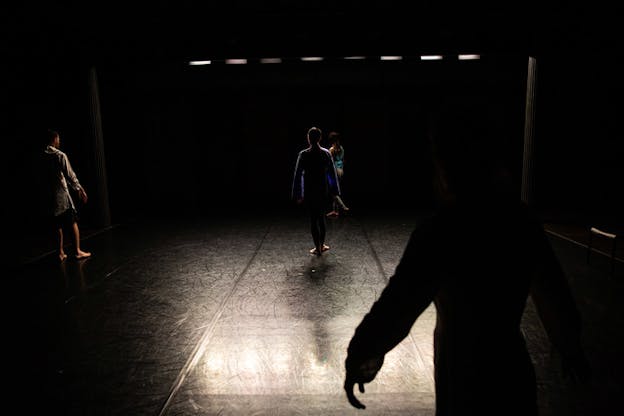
325 247
82 255
315 251
62 256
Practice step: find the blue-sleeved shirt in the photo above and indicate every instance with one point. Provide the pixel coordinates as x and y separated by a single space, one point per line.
315 175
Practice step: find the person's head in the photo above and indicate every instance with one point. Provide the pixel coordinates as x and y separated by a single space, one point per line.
334 138
468 156
53 138
314 135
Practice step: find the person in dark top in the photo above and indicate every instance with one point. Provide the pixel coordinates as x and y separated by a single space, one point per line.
478 258
315 183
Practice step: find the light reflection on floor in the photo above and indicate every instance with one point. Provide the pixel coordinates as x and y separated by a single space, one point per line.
292 356
236 318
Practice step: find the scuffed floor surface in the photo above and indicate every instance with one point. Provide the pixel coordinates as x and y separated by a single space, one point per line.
235 317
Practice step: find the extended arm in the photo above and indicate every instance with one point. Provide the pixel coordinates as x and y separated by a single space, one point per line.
71 177
408 293
297 185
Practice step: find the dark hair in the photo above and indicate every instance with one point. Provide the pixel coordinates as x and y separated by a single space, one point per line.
315 134
51 135
467 149
333 137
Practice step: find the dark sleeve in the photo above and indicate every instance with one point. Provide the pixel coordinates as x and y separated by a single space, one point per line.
554 301
297 185
408 293
332 176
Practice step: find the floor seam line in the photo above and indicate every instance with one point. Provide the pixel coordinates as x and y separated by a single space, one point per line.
38 257
381 270
375 256
585 246
203 341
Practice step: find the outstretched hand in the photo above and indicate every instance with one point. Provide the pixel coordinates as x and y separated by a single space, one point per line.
360 373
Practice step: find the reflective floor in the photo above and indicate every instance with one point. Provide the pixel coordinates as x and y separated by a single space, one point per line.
234 317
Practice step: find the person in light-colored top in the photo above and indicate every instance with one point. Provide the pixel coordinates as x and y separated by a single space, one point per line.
58 176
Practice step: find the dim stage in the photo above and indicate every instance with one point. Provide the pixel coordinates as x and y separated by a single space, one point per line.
234 317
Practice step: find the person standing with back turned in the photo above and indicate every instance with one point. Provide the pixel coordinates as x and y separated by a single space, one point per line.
315 183
478 259
58 176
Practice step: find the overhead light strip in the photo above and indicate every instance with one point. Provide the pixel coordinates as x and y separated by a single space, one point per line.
431 57
242 61
467 57
270 60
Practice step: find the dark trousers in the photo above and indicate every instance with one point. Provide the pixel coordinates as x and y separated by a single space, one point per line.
316 210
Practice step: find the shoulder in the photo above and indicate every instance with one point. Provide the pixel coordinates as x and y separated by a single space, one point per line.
435 229
424 242
56 152
326 151
429 225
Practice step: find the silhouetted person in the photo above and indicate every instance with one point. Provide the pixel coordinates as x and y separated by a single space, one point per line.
315 183
337 151
478 259
57 176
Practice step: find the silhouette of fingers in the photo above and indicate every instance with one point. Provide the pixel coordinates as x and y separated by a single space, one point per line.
349 385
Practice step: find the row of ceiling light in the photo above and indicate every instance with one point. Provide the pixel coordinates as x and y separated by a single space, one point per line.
242 61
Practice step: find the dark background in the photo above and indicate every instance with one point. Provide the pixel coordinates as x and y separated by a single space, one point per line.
184 141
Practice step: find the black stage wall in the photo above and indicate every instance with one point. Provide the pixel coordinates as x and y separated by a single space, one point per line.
184 141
